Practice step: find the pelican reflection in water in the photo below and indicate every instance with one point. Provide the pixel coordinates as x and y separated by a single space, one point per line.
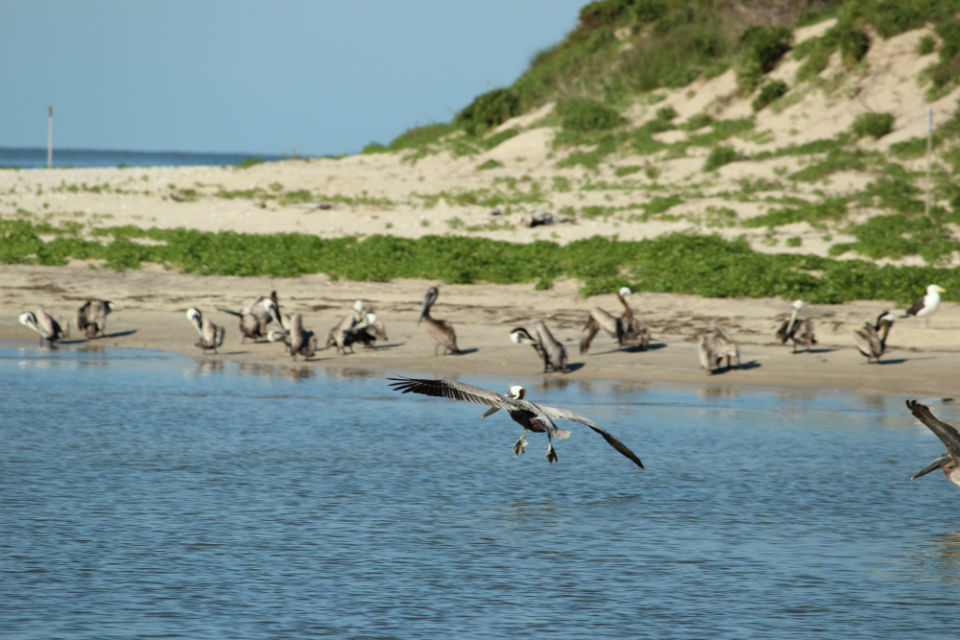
529 415
949 462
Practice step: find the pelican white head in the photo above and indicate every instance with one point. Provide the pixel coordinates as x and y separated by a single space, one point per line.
798 304
517 392
625 291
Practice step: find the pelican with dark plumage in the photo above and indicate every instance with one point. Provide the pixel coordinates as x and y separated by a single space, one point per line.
299 341
628 330
211 335
92 317
872 338
440 330
949 462
716 345
550 350
45 325
360 326
529 415
253 325
797 330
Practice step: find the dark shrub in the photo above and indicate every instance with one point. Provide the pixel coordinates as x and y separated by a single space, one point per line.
768 93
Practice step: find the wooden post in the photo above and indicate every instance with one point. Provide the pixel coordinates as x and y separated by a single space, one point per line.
49 135
926 206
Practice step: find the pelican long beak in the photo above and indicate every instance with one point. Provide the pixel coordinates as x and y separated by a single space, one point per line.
490 411
933 466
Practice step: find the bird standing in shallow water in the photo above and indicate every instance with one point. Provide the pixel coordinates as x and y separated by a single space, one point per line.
949 462
530 415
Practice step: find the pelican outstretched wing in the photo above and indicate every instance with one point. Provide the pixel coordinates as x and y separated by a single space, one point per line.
947 434
454 391
565 414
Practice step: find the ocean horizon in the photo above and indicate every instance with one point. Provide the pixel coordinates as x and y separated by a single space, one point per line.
36 158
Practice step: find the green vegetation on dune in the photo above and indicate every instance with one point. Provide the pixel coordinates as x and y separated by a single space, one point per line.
679 263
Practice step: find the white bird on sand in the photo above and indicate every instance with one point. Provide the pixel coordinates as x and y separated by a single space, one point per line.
927 305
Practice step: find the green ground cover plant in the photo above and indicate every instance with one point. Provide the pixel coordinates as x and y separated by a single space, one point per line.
706 265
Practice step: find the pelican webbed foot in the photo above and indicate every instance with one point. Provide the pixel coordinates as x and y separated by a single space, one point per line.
520 447
551 453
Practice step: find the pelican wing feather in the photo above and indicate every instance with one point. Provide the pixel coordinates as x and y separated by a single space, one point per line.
565 414
947 434
456 391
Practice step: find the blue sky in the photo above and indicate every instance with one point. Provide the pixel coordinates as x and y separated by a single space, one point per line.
284 76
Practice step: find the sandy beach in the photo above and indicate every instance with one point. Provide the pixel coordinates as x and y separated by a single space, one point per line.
151 304
444 193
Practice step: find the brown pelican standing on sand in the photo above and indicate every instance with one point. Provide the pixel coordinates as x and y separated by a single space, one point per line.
529 415
92 317
716 345
552 352
46 326
799 331
211 335
872 338
360 326
627 329
949 462
299 341
254 325
440 330
927 305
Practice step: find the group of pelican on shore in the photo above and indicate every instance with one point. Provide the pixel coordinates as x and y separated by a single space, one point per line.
361 326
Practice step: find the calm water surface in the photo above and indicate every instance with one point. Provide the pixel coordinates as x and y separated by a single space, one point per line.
150 495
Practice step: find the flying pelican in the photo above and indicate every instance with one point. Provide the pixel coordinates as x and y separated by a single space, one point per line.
799 331
872 338
529 415
92 317
299 341
46 326
716 345
211 335
254 325
927 305
552 352
627 329
440 330
949 462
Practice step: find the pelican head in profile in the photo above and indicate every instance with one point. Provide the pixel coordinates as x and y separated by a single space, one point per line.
927 305
628 330
799 331
872 338
211 335
529 415
949 462
45 325
440 330
255 319
92 317
550 350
